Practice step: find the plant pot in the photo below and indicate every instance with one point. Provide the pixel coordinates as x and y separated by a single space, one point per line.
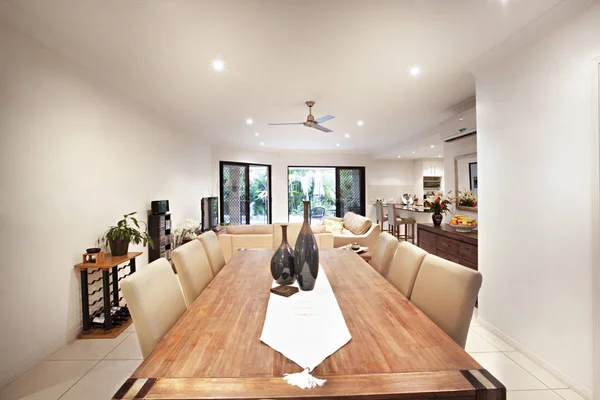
437 218
118 247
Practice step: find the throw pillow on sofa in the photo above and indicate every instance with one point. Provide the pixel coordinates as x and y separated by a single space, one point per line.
357 224
333 226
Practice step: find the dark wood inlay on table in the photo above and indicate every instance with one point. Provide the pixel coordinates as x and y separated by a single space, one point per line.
214 350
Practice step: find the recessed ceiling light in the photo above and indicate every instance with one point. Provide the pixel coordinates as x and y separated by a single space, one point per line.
337 145
461 119
432 146
439 155
360 123
413 152
414 71
218 65
256 133
347 135
249 121
262 143
399 156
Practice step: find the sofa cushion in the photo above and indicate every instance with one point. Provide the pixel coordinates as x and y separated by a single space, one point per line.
333 226
318 228
357 224
250 229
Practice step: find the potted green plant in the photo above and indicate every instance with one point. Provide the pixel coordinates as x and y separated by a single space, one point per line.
126 231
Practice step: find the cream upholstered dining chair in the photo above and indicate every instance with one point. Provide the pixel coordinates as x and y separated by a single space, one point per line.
446 292
155 302
383 253
405 267
212 246
193 269
382 216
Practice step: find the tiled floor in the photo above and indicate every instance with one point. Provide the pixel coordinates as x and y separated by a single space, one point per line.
95 369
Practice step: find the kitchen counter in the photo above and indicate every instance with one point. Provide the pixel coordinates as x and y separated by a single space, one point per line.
420 209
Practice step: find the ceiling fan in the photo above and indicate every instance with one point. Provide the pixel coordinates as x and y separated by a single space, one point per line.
311 122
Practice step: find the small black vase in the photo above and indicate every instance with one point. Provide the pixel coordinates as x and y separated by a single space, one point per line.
306 255
437 218
282 263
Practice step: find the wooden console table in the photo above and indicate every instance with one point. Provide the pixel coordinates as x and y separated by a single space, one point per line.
445 242
109 266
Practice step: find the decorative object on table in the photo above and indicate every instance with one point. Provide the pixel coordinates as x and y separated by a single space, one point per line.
128 230
93 257
282 262
186 232
416 201
355 246
439 206
285 291
462 223
306 254
467 199
407 199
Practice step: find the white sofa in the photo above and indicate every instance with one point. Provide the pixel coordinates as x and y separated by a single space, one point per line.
265 237
356 229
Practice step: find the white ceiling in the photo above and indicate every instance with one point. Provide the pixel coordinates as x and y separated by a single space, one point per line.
351 57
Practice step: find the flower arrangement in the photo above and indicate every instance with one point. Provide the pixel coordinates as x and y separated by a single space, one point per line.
186 232
467 199
440 204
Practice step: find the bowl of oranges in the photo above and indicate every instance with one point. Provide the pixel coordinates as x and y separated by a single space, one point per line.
462 223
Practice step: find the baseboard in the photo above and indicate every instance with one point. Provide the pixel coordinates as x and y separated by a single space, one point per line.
41 356
557 373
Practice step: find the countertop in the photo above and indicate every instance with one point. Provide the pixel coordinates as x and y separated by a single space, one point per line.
420 209
446 230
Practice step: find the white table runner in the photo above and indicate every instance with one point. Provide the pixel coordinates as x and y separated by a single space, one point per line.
306 327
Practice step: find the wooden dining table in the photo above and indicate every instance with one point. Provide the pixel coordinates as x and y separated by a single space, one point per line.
214 352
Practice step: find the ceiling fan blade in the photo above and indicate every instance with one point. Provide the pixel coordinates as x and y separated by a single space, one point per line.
324 118
322 128
289 123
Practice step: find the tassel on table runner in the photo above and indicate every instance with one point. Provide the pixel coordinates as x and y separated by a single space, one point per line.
304 380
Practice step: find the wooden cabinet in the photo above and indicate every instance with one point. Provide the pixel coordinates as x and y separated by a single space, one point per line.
445 242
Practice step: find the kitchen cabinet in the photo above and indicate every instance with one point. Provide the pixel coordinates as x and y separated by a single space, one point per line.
433 167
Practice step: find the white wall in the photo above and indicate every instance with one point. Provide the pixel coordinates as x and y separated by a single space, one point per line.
535 139
385 178
74 157
454 149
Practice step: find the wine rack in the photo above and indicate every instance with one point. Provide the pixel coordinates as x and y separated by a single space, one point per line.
159 229
102 304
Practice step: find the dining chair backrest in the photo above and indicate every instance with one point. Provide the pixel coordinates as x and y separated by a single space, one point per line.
379 210
391 214
405 267
446 292
155 302
193 269
383 253
212 246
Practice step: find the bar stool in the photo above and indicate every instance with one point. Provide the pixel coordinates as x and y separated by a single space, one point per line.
381 215
407 222
393 220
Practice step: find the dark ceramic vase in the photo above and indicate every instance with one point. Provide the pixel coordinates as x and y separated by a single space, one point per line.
118 247
437 218
282 263
306 254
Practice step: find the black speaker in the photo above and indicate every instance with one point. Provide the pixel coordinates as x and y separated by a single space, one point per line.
159 206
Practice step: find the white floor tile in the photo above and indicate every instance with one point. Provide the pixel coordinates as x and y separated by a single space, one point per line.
511 374
493 339
128 349
87 349
532 395
537 371
103 381
48 380
477 344
130 328
569 394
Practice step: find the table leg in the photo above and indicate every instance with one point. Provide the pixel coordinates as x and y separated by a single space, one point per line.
132 265
106 295
85 301
115 288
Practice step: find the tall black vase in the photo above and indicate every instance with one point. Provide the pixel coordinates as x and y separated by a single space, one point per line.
282 263
437 218
306 254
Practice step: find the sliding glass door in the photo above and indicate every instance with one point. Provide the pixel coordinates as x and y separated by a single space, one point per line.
245 193
332 191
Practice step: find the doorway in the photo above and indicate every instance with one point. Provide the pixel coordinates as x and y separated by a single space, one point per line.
245 193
